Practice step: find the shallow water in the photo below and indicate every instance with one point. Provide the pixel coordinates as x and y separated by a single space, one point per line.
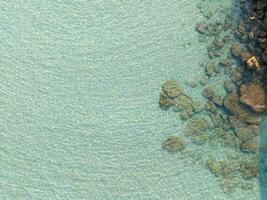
79 97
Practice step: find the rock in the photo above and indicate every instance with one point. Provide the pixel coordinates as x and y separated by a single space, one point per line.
229 86
208 92
181 103
236 75
226 38
250 146
226 62
217 43
254 96
192 82
210 67
248 186
217 68
204 80
236 49
245 133
197 126
222 168
164 101
231 140
186 114
228 184
201 27
173 144
217 100
232 105
249 169
244 56
200 139
171 88
211 107
198 106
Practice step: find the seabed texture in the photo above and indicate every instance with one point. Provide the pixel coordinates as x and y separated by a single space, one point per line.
80 115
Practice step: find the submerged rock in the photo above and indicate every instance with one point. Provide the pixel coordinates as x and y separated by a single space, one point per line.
236 49
229 86
171 88
250 169
208 92
232 105
181 103
201 27
173 144
254 96
197 126
229 183
250 146
222 168
164 101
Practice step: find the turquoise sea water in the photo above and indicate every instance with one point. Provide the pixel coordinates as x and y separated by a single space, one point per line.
79 84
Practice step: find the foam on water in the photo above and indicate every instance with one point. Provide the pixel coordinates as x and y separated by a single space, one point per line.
80 84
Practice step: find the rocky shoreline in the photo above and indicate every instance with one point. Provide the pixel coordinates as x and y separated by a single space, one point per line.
237 49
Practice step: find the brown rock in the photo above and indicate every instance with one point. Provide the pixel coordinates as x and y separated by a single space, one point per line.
174 143
254 96
234 107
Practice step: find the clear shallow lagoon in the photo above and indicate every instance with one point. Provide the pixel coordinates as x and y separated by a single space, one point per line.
80 86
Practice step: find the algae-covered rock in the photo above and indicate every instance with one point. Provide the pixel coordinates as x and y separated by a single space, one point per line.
228 184
229 86
201 27
250 146
236 76
204 80
211 107
248 186
209 68
236 49
217 100
226 62
208 92
181 103
254 96
200 139
232 105
250 169
164 101
198 106
231 140
171 88
187 113
197 126
245 133
218 43
173 144
222 168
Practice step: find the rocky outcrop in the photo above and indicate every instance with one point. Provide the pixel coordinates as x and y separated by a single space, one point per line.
254 96
232 105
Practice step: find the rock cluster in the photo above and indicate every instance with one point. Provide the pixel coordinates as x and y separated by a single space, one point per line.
238 52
